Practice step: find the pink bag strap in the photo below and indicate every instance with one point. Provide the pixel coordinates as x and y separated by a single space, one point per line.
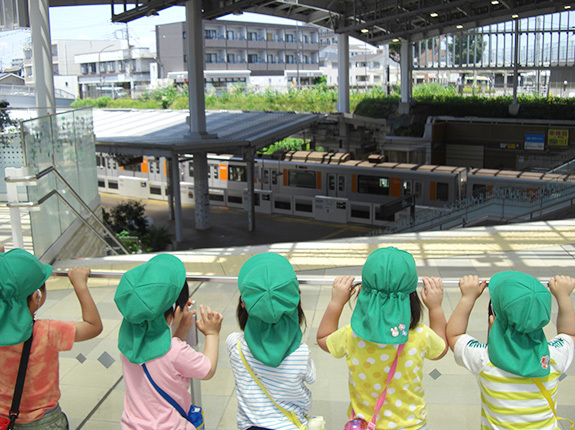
381 399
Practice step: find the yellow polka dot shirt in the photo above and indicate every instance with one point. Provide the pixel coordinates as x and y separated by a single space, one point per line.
369 365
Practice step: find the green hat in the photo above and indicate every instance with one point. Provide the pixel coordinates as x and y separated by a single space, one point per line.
270 291
143 295
20 275
382 313
522 307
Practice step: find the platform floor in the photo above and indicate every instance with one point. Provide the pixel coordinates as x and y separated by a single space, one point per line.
91 374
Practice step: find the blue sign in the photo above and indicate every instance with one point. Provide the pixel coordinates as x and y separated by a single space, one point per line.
535 141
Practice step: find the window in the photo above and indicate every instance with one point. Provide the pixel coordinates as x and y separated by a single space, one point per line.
252 36
271 59
155 190
252 58
290 59
235 199
301 178
231 58
211 34
185 58
418 189
230 35
101 183
341 183
191 169
184 35
442 191
111 67
237 173
112 185
373 185
216 197
211 58
290 38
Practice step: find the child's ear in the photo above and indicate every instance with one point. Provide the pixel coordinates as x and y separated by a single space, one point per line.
491 320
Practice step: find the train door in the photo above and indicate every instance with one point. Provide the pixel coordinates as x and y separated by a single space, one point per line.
336 185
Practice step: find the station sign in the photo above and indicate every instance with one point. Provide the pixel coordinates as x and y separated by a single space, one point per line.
534 142
558 137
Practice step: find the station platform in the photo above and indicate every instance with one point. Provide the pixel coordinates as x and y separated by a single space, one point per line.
91 374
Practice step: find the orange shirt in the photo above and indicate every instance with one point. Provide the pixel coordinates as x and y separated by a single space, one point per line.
41 387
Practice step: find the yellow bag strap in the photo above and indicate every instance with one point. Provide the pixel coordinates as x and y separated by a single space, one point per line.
290 415
550 400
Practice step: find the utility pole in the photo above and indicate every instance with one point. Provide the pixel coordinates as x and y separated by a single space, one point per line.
129 66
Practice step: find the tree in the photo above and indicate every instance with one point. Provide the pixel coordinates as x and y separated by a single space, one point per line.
466 48
4 116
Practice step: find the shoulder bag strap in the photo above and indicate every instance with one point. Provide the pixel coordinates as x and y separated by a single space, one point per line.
290 415
549 400
15 408
381 400
165 395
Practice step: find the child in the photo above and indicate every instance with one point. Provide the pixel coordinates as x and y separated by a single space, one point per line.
386 315
22 293
153 298
516 350
269 313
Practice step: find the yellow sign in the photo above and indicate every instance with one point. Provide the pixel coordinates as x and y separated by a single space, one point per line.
558 137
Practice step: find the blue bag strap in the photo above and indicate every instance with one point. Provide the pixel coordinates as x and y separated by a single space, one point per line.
164 394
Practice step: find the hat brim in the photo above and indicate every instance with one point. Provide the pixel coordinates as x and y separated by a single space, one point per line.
143 342
518 353
382 318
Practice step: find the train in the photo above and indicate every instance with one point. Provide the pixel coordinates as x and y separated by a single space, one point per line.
325 186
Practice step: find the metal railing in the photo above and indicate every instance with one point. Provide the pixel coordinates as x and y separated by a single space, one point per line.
52 169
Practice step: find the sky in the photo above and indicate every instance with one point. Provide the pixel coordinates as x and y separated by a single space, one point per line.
94 23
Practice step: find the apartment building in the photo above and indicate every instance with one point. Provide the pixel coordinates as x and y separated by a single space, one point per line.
259 55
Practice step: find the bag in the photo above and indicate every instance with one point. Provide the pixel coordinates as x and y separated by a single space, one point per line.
195 415
356 424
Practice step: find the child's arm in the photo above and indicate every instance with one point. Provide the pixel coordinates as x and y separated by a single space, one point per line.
210 325
432 295
91 326
471 289
341 292
562 287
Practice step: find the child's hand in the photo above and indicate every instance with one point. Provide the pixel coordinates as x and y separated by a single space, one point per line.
432 292
342 289
561 286
79 277
187 318
471 287
210 322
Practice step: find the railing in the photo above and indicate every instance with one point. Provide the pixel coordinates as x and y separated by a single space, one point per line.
502 203
32 178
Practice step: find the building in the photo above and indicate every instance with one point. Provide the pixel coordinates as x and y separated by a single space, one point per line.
114 73
254 54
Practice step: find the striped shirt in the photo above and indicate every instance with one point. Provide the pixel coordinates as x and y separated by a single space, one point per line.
284 383
509 401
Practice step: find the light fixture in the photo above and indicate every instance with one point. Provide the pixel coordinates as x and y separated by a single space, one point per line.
434 15
514 16
395 40
364 30
494 2
459 26
567 7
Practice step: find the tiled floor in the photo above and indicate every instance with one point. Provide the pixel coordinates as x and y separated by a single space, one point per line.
91 376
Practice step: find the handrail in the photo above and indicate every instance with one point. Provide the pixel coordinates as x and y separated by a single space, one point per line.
52 169
230 279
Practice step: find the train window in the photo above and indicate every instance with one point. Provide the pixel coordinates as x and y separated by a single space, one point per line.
479 190
331 182
158 166
274 177
266 176
406 188
112 185
155 190
137 167
341 183
237 173
216 172
442 191
418 189
301 178
373 185
191 169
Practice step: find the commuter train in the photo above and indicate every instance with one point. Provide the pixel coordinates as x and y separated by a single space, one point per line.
325 186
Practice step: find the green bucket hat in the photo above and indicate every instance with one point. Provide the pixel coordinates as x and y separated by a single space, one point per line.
270 291
382 313
20 275
522 307
143 295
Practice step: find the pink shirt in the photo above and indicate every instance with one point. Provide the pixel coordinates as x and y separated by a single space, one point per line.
144 408
41 387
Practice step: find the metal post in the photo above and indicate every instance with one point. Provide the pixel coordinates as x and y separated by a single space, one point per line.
196 68
405 66
177 195
514 107
201 191
343 73
42 56
15 217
